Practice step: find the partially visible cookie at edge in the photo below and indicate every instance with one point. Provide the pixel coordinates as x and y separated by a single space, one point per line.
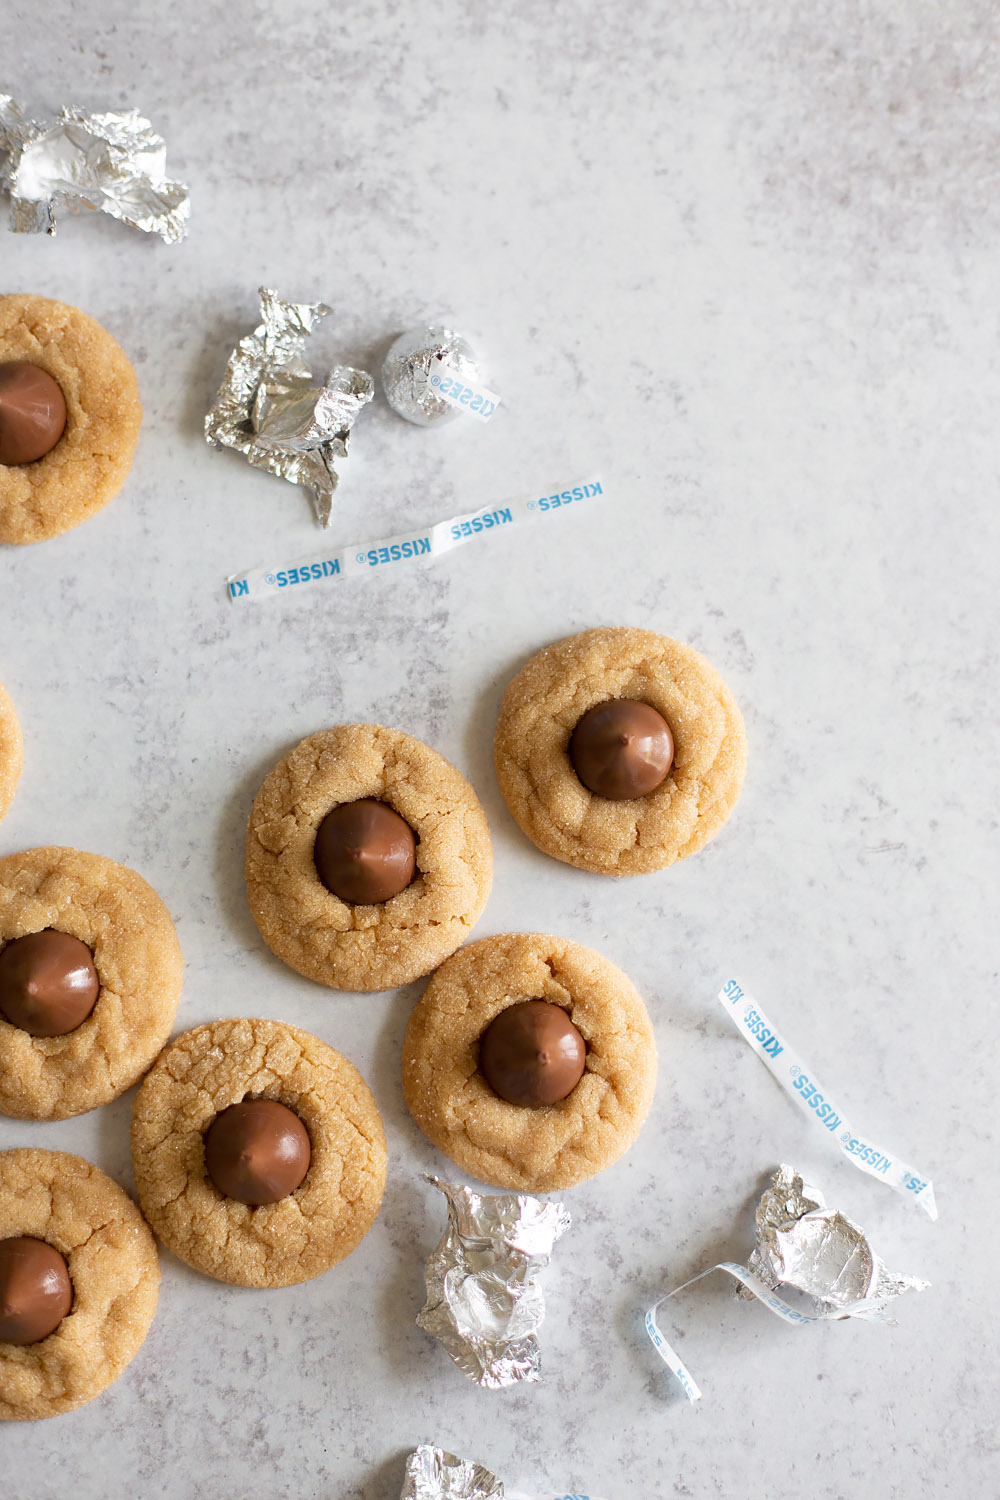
118 916
381 945
11 750
545 702
89 463
114 1269
303 1234
533 1149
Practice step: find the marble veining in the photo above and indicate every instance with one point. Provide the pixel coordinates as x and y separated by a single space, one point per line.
742 262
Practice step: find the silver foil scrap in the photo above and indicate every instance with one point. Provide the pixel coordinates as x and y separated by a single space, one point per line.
270 408
409 365
113 162
433 1474
484 1303
804 1244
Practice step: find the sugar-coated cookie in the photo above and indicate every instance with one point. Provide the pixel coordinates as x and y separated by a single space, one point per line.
112 912
88 464
212 1069
530 1148
631 835
380 943
114 1272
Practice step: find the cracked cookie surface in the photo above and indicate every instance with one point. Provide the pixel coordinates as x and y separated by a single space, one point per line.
276 1244
114 1268
90 462
535 1149
543 705
356 947
11 750
139 964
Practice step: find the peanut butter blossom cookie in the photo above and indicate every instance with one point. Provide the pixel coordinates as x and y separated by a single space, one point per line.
368 858
90 979
11 750
69 418
530 1061
259 1153
619 751
79 1279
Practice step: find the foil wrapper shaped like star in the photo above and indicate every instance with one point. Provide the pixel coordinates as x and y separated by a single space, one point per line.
804 1244
484 1303
433 1474
270 408
113 162
409 365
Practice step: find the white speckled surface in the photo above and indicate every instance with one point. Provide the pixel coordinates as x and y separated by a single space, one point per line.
743 261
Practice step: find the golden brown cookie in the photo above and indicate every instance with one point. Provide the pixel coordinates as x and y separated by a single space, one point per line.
88 466
139 963
113 1265
275 1244
11 750
531 1149
545 702
380 946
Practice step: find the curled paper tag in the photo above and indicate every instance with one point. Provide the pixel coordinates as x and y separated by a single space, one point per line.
800 1082
563 1495
369 558
746 1279
475 400
431 375
807 1246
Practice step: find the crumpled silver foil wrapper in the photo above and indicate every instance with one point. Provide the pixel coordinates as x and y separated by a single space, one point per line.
802 1243
409 364
484 1303
270 408
114 162
433 1474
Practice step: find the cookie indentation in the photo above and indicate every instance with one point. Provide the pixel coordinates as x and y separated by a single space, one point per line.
86 1222
87 466
392 937
298 1234
529 1148
617 829
51 1069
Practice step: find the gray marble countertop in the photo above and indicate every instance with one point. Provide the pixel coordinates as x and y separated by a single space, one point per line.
742 262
